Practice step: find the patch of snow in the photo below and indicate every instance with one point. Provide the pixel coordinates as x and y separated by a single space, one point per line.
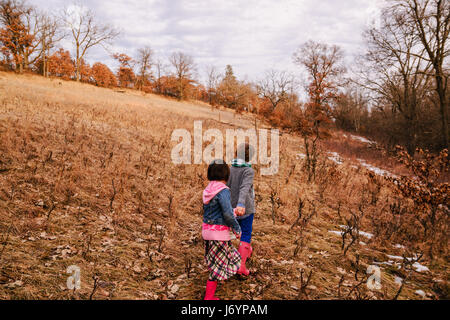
420 293
398 280
416 265
361 233
366 234
17 283
396 257
362 139
341 271
339 233
388 263
399 246
335 157
363 243
419 267
377 171
300 156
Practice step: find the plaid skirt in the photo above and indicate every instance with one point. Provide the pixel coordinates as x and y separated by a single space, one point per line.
222 259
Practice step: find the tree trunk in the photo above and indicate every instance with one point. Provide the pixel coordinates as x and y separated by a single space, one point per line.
78 63
180 89
444 112
411 143
44 59
78 75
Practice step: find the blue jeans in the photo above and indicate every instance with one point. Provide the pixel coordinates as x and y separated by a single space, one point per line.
247 228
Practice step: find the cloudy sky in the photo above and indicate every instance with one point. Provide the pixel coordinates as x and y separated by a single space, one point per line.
251 35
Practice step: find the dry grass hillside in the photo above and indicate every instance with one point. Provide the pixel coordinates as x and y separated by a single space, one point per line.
86 179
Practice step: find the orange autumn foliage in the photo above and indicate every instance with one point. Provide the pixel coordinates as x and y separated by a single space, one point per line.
60 64
85 71
102 76
15 38
125 73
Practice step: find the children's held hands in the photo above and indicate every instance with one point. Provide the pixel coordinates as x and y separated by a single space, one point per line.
240 211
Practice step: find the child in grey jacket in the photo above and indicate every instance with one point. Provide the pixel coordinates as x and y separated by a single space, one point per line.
243 199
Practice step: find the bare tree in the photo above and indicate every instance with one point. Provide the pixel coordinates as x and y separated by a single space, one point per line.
50 35
184 66
323 65
160 68
144 63
430 25
213 80
86 33
395 71
33 26
45 31
276 87
352 108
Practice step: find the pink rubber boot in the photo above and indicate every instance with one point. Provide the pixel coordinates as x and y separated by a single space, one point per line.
246 250
211 287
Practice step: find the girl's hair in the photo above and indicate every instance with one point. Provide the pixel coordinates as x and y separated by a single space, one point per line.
218 170
245 152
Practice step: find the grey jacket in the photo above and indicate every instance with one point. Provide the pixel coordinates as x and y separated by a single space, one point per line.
242 191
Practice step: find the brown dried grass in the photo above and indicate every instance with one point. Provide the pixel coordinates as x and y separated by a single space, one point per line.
86 179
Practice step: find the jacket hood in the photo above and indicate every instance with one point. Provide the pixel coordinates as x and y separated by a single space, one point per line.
213 188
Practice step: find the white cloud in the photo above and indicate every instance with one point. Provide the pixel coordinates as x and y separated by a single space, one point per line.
251 35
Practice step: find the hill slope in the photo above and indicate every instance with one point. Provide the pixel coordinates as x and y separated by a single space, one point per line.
86 179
